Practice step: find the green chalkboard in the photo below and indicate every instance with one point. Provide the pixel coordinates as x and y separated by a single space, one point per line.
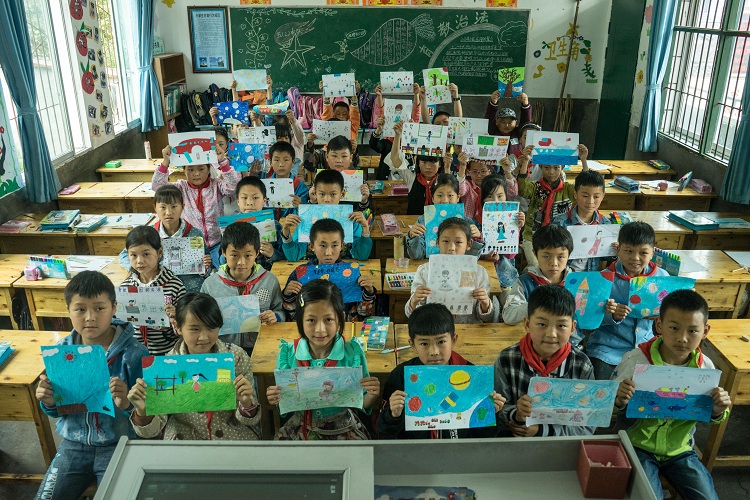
298 45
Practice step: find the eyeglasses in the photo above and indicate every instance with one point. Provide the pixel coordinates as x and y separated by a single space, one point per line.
479 172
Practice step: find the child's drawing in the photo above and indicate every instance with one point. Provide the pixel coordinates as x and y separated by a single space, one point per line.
421 139
448 397
257 135
311 213
251 79
553 148
452 278
673 393
563 401
326 130
394 111
279 192
189 383
591 291
647 293
243 156
192 148
142 306
241 314
436 84
591 241
263 221
233 112
433 216
397 82
510 81
490 149
458 128
80 378
344 274
499 227
339 85
307 388
353 180
183 255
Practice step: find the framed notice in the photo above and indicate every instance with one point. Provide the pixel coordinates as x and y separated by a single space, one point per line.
209 39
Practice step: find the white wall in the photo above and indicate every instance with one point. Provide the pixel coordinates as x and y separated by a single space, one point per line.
639 89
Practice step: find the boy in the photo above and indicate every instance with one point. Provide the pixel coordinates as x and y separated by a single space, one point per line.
339 156
503 121
432 335
89 439
251 197
282 160
241 275
666 446
342 111
589 193
544 351
618 333
326 241
329 186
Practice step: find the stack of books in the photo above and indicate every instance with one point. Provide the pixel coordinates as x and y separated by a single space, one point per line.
59 220
88 223
692 220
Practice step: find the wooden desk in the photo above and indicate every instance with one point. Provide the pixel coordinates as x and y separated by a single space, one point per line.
31 239
617 199
283 268
669 235
11 269
572 171
722 289
382 245
99 197
671 199
18 379
136 170
722 238
107 240
386 203
638 170
141 199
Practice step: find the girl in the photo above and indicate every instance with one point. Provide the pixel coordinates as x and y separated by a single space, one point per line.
143 245
444 190
198 320
470 190
454 235
320 321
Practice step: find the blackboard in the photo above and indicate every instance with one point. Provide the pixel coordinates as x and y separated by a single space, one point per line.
298 45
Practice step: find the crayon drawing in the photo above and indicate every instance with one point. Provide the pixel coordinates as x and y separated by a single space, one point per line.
257 135
339 85
344 274
189 383
553 148
233 112
458 128
448 397
241 314
591 241
394 111
451 279
279 192
80 378
262 220
563 401
311 213
192 148
326 130
647 293
353 180
510 81
421 139
436 82
243 156
673 393
591 291
490 149
397 82
499 227
142 306
183 255
433 216
251 79
307 388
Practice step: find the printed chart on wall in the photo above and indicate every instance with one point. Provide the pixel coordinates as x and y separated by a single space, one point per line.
11 178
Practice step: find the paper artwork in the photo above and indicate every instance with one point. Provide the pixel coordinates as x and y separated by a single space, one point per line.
189 383
307 388
11 178
687 263
233 112
344 274
573 402
394 111
80 378
184 255
142 306
451 279
339 85
257 135
458 128
448 397
312 213
490 149
325 130
421 139
251 79
242 156
647 293
673 393
510 81
279 192
741 258
127 221
592 241
397 82
353 180
499 227
591 291
192 148
433 216
553 148
436 84
263 221
241 314
77 263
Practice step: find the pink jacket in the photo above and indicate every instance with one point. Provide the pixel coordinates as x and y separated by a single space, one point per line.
470 197
212 195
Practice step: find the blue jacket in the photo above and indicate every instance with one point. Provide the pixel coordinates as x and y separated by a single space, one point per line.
358 250
571 218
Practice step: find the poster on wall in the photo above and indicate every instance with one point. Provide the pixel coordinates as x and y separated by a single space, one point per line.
10 170
209 39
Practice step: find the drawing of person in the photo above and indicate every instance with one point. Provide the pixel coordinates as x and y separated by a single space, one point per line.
445 281
196 384
398 83
500 230
597 241
327 389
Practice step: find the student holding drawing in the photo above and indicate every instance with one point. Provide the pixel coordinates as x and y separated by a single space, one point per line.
320 321
251 197
383 145
470 188
665 446
282 155
503 121
198 320
441 117
343 111
339 157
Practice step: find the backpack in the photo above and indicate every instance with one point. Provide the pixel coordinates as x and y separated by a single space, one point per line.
366 104
293 96
184 122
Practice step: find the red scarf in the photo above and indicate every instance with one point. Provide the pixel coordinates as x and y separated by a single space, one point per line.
645 347
535 362
427 185
199 201
651 270
541 280
550 199
307 414
188 227
244 286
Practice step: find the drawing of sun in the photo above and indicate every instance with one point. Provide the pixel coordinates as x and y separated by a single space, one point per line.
70 357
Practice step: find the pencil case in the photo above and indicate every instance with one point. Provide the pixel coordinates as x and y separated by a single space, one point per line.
700 186
627 184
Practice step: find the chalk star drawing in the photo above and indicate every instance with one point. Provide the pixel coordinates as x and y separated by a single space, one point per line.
294 52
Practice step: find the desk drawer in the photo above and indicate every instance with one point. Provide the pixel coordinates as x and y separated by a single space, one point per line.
42 244
707 241
618 202
666 203
140 205
48 303
720 296
110 245
389 205
94 206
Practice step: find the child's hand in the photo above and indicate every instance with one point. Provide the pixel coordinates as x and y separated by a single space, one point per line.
44 392
618 311
359 218
233 86
313 195
119 390
290 116
480 295
213 111
447 161
221 153
372 386
416 88
356 87
367 283
273 394
398 128
311 139
207 262
266 249
379 92
625 391
527 152
523 408
137 396
290 225
521 219
494 97
523 430
524 99
268 318
170 311
583 152
454 90
244 390
396 402
380 123
296 201
498 400
353 142
505 164
417 229
493 256
420 294
616 246
364 189
463 159
166 153
255 168
721 402
293 288
269 82
475 232
254 118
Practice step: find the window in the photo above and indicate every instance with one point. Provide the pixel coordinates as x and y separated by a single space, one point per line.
706 77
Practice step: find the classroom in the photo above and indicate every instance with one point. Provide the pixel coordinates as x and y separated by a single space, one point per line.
248 221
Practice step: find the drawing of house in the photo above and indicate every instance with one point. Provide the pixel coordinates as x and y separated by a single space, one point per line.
223 376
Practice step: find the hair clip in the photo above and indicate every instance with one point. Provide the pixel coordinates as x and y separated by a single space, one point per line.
301 301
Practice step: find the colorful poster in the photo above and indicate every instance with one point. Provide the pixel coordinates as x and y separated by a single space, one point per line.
458 128
307 388
591 291
192 148
11 178
142 306
353 180
325 130
339 85
279 192
421 139
251 79
397 82
500 228
579 403
647 293
257 135
394 111
553 148
233 112
448 397
184 255
344 274
311 213
673 393
510 81
433 216
189 383
591 241
80 378
452 279
243 156
263 221
241 314
490 149
436 82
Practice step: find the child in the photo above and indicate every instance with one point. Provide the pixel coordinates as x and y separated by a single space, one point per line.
329 186
282 156
202 195
145 253
343 111
242 275
665 447
432 335
470 190
503 121
441 117
543 352
382 145
251 197
222 142
454 235
619 333
589 193
89 439
320 322
198 322
289 130
339 156
326 241
444 191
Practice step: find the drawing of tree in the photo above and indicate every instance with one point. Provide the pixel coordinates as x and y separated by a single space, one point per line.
509 75
161 384
296 381
58 399
434 75
182 375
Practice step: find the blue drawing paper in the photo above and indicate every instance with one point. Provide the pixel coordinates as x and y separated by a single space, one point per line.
572 402
553 148
433 216
241 314
263 220
647 293
343 274
673 393
80 378
251 79
591 291
307 388
311 213
234 111
5 352
242 156
448 397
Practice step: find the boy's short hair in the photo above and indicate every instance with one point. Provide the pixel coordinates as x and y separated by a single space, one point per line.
445 180
250 180
458 222
339 143
529 126
339 104
554 299
637 233
685 301
439 114
89 284
329 176
326 226
239 234
168 194
222 132
281 147
430 320
589 178
551 236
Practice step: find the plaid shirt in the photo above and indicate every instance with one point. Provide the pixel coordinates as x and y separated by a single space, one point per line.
512 376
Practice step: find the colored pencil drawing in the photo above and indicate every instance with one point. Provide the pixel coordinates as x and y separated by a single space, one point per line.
192 148
553 148
233 112
353 180
397 82
263 221
591 241
448 397
591 291
433 216
184 255
564 401
394 111
647 293
499 227
421 139
326 130
339 85
436 82
279 192
451 279
251 79
241 314
189 383
510 81
142 306
490 149
307 388
80 378
312 213
242 156
344 274
673 393
257 135
458 128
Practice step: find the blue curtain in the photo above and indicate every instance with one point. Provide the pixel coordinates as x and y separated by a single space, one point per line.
663 19
737 178
42 183
151 113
